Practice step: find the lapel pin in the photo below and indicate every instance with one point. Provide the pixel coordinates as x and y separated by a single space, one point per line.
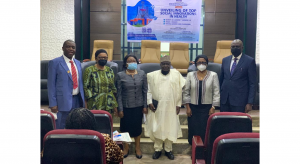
68 71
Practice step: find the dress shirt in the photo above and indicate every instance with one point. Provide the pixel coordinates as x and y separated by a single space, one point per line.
237 61
67 60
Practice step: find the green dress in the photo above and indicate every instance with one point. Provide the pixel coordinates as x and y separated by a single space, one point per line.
99 88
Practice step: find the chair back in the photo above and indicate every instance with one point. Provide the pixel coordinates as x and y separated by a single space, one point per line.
179 55
47 124
44 69
150 51
223 50
107 45
236 148
78 146
225 122
104 121
149 67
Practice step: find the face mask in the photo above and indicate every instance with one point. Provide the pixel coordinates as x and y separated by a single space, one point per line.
235 52
201 67
102 62
132 66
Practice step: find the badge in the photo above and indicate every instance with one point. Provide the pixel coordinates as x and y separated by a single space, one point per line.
68 71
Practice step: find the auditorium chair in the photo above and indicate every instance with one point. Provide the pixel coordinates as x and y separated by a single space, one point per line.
218 124
104 121
179 55
150 51
107 45
44 81
236 148
105 124
112 65
120 64
223 50
65 146
47 124
215 67
149 67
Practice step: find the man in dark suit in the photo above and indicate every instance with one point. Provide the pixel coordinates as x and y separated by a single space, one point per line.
237 80
65 88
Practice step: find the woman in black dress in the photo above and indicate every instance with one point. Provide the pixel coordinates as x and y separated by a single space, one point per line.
132 91
201 94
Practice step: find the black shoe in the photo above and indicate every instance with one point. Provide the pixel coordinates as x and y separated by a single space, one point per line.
169 155
156 154
138 156
126 155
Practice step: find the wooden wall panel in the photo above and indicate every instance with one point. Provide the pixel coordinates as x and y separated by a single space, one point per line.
220 6
220 23
105 23
105 5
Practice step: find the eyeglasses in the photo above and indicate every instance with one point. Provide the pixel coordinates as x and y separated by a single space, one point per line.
102 58
198 63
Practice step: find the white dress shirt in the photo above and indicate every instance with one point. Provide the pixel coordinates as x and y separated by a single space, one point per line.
237 61
67 60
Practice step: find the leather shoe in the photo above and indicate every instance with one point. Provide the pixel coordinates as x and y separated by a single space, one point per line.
138 156
156 154
126 155
169 155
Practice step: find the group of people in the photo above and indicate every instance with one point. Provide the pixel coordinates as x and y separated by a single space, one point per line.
159 94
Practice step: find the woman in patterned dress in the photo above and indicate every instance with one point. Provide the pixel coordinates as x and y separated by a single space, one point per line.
99 86
81 118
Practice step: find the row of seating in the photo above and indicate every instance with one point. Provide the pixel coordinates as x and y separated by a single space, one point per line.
83 146
215 149
150 53
179 52
228 139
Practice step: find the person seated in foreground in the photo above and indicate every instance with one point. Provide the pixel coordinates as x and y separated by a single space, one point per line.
82 118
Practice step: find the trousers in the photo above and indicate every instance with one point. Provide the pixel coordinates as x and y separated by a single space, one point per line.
158 145
62 115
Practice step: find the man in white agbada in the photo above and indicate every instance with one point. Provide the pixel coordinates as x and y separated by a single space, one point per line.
162 123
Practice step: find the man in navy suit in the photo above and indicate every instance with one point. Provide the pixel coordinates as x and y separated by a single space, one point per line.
237 80
65 88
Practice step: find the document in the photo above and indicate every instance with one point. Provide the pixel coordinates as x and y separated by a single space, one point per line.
125 137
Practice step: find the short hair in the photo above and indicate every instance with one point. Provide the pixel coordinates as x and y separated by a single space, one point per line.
238 41
81 118
69 40
125 60
99 52
201 56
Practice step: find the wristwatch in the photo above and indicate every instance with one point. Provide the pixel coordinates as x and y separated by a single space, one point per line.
213 107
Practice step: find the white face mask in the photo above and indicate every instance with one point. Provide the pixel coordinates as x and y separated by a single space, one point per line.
201 67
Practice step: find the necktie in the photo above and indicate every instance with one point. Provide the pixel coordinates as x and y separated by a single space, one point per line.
233 66
74 75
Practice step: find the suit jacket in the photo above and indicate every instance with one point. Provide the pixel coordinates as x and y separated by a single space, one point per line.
240 87
60 84
210 89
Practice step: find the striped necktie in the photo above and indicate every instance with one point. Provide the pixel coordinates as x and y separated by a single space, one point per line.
233 66
74 75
